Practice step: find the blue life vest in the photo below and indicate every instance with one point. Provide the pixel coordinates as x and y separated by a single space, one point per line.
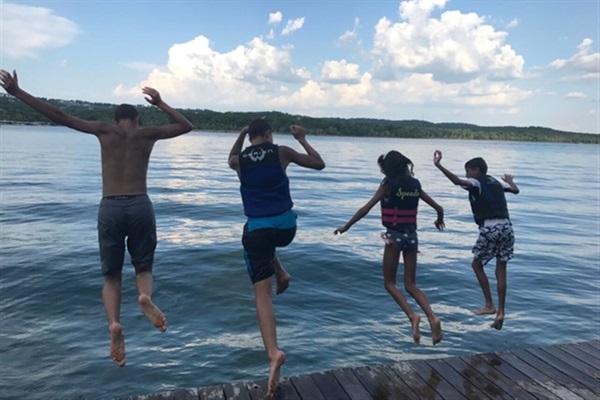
399 210
490 203
264 186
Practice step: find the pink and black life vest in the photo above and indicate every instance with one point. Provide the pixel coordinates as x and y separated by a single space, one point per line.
399 210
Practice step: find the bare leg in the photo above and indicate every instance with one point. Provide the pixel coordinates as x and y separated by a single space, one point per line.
501 277
263 293
488 308
281 276
145 285
111 295
391 256
410 284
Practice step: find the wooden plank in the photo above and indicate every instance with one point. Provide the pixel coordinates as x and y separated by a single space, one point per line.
329 386
514 376
377 384
306 387
592 352
398 388
236 391
436 381
456 380
211 393
538 376
287 391
414 381
554 373
571 366
485 381
595 343
351 385
258 389
581 355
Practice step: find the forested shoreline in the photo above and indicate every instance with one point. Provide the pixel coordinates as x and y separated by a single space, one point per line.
12 111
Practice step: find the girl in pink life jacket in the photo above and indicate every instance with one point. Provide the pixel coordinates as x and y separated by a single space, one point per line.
399 195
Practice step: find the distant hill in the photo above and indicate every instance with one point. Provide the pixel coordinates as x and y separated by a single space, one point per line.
12 111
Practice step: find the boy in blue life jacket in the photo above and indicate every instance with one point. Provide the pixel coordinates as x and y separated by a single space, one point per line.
271 222
496 237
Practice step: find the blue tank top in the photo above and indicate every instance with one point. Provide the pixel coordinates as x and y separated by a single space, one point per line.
264 186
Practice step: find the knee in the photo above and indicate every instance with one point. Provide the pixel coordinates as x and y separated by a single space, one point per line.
477 265
390 286
410 287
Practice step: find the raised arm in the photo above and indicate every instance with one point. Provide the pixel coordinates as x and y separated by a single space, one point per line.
11 84
236 149
312 158
437 158
439 222
179 125
364 210
508 178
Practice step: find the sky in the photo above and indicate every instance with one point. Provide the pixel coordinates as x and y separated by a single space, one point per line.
485 62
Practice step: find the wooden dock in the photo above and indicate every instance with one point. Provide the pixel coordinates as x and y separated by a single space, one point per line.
569 371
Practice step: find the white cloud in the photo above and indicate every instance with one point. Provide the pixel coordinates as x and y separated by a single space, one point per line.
576 95
582 60
454 47
275 18
292 25
26 30
258 75
200 76
512 24
340 71
350 37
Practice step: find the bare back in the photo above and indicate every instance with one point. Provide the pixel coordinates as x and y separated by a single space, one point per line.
125 156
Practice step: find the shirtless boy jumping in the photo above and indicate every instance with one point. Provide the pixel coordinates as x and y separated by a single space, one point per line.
125 210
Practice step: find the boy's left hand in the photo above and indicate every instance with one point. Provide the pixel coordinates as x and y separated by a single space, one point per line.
508 178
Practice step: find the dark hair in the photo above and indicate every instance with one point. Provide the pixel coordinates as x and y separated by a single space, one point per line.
126 111
477 162
258 127
394 164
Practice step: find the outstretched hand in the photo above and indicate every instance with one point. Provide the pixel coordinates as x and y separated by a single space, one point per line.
9 82
437 157
154 98
439 224
508 178
340 230
298 132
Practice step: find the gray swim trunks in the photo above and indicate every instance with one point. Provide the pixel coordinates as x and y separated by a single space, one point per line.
406 241
121 217
495 241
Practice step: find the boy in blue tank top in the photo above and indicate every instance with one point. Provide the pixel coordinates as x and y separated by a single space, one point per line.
496 237
399 196
271 222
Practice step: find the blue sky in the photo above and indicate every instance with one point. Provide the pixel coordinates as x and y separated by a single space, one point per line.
487 62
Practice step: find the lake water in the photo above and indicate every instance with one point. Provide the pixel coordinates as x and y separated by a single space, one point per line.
54 339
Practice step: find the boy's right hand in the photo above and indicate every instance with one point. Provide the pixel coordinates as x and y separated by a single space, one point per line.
340 230
9 82
437 157
298 132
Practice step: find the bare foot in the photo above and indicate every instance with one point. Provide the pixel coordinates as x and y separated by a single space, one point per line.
274 370
152 312
436 330
415 321
485 310
499 321
283 281
117 344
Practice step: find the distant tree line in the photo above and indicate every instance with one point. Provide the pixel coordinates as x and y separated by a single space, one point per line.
12 111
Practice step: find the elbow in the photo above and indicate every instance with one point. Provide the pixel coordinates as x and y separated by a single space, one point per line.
188 127
321 165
